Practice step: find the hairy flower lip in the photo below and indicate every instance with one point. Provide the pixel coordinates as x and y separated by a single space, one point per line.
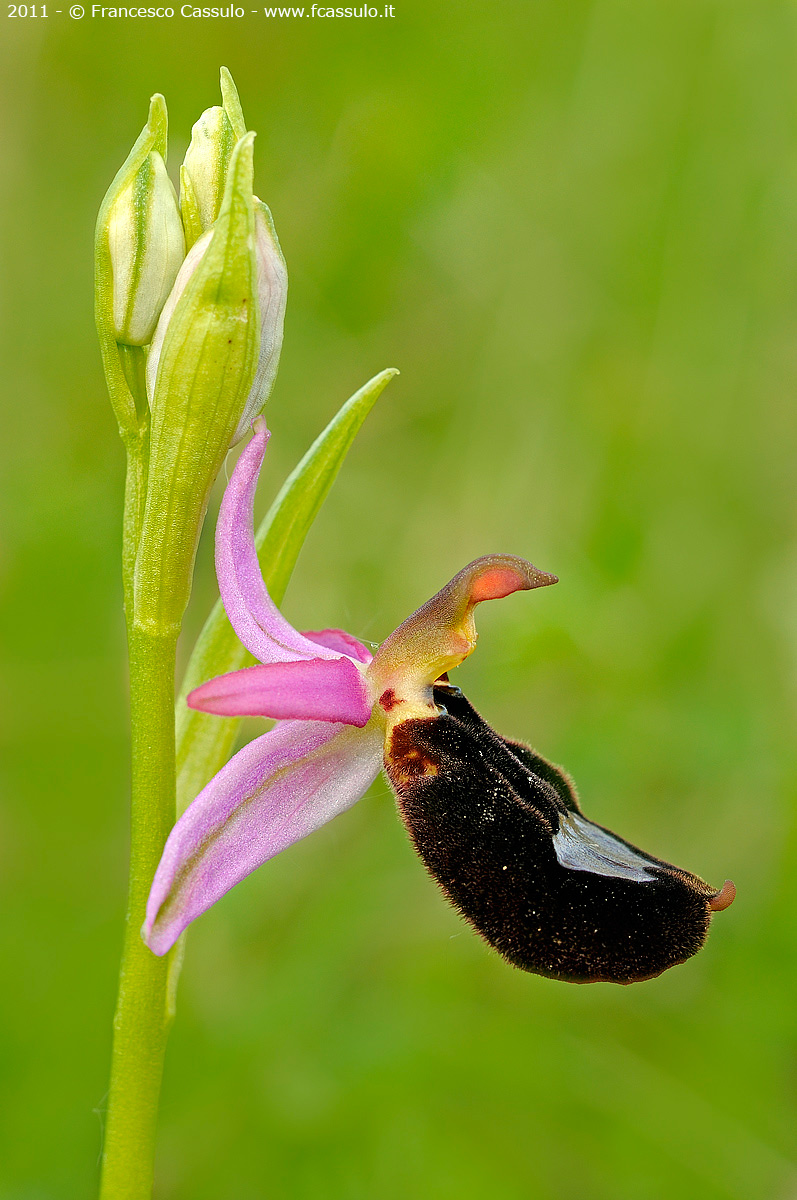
501 830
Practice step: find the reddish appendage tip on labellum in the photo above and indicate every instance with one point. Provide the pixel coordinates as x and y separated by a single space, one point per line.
442 632
494 585
724 897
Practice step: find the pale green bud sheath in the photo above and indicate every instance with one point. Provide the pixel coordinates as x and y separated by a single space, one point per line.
146 245
202 366
189 266
124 367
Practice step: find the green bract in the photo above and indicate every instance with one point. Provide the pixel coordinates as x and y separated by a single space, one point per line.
200 372
190 342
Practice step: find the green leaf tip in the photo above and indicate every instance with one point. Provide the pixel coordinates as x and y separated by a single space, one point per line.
287 523
231 103
240 174
158 123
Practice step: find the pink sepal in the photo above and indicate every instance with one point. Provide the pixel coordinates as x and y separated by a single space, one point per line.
318 690
253 614
275 791
338 639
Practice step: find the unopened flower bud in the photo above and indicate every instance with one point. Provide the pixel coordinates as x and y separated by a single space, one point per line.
138 247
272 294
146 246
204 171
203 175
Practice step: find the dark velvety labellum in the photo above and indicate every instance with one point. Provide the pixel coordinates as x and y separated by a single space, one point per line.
501 830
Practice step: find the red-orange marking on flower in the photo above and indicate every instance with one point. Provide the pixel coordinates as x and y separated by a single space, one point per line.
495 584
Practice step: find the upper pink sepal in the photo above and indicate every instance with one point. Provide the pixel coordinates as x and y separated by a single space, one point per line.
253 614
318 690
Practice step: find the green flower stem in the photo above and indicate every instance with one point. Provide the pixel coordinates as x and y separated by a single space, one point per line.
143 1016
137 448
143 1009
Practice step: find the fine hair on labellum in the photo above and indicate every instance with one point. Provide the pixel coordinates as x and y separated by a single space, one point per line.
501 831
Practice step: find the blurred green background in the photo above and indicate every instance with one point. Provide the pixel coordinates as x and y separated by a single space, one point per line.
573 226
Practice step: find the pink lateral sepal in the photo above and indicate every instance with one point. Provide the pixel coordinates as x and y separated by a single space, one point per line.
279 788
318 690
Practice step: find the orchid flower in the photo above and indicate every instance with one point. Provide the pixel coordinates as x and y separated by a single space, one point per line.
498 826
